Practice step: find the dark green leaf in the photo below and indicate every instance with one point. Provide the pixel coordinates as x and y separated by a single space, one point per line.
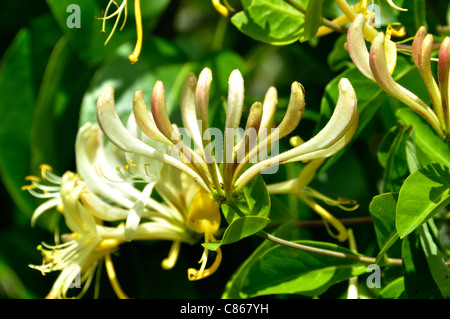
439 270
254 200
55 120
159 60
382 209
313 19
283 270
415 17
419 282
18 95
233 287
385 145
87 40
396 165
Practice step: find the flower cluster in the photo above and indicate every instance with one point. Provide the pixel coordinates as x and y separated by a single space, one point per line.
236 154
109 201
374 66
103 207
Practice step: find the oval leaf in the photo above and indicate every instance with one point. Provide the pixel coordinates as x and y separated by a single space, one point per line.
240 228
424 193
270 21
283 270
254 200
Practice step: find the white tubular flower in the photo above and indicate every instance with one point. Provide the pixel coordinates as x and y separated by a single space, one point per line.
86 245
90 241
50 192
201 162
375 66
95 166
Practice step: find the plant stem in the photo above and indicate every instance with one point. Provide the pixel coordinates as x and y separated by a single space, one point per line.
321 223
325 252
325 22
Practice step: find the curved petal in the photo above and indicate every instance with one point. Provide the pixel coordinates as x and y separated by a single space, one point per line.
356 46
336 134
388 84
116 132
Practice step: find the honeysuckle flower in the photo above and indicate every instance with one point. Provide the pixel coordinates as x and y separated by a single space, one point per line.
185 205
123 8
299 187
370 32
84 247
201 162
374 66
97 165
90 240
181 218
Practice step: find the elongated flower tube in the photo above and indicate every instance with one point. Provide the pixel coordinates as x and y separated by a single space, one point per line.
223 167
374 66
187 210
104 192
90 241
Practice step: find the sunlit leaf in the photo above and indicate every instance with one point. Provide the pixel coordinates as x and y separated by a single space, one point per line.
429 146
274 22
238 229
424 193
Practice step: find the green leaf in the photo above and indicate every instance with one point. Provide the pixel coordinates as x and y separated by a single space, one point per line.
339 58
393 290
415 17
18 95
88 40
238 229
411 155
439 270
313 19
159 60
283 270
419 283
396 165
270 21
247 215
382 209
233 287
254 200
385 145
424 193
429 146
56 112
